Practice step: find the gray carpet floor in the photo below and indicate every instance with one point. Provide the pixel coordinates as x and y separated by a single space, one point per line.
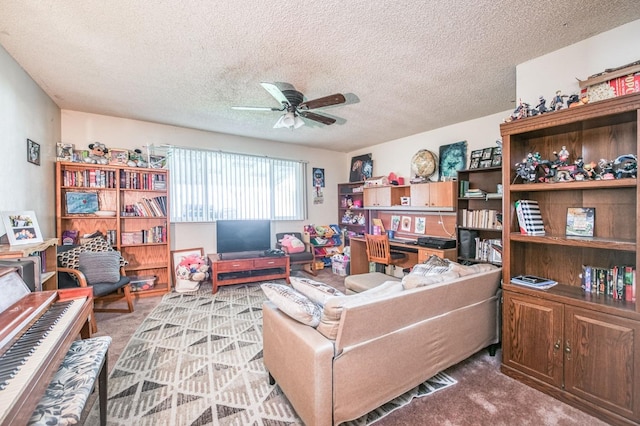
482 396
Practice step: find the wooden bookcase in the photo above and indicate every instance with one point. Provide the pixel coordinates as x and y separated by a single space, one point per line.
350 196
140 233
580 347
481 212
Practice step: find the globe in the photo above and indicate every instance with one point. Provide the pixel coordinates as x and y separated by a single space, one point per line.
424 163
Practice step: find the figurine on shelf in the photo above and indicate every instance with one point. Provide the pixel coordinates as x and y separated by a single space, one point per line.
605 169
563 156
625 166
558 101
542 105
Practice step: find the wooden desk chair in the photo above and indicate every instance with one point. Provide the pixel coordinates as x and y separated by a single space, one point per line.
379 250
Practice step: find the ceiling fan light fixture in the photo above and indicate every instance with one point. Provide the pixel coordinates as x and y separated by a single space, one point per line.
289 120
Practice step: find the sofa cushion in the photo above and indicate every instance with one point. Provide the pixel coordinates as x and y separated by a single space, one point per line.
317 291
293 303
334 306
433 265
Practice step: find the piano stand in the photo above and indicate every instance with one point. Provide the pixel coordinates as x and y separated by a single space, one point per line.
67 394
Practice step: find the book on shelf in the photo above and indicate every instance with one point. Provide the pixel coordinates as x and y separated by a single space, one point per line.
533 281
580 221
617 282
475 193
529 217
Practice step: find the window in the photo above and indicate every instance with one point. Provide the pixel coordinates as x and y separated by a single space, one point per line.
211 185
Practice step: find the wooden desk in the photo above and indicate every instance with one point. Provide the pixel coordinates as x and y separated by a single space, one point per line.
415 254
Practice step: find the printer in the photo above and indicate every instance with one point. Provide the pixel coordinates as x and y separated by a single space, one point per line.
436 243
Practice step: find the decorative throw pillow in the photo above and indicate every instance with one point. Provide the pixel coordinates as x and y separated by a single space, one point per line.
333 308
432 266
69 258
293 303
315 290
100 267
412 281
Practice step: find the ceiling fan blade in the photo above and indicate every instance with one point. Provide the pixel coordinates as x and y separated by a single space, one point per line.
334 99
275 92
251 108
317 117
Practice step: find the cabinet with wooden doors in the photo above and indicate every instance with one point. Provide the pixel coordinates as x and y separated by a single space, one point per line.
434 195
352 215
128 205
479 218
384 196
575 341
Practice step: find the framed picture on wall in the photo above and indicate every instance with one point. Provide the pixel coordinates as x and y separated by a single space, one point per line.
33 152
453 157
361 168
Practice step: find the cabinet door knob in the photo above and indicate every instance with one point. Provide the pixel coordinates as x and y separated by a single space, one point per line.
556 346
567 349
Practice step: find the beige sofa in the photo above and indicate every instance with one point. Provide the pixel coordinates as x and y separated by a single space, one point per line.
386 344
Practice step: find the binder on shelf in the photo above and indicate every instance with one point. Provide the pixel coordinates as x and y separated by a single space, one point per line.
529 217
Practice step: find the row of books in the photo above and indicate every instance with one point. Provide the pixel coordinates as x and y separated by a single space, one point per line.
482 218
89 178
155 234
142 180
489 250
618 282
147 207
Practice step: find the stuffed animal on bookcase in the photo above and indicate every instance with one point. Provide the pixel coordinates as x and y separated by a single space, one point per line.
136 159
97 154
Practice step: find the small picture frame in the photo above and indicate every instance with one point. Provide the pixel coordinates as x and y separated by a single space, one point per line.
119 156
496 157
33 152
178 255
64 151
405 224
361 168
22 227
475 163
476 153
486 153
485 163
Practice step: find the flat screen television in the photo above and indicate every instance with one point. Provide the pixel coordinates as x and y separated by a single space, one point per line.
238 236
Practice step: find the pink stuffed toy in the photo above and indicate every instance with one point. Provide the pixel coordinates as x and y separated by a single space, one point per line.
291 244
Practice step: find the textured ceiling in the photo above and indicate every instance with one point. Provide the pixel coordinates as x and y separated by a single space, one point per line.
405 66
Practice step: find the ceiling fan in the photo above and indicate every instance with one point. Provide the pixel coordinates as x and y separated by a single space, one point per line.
291 102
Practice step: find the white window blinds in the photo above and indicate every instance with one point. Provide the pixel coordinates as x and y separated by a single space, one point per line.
209 185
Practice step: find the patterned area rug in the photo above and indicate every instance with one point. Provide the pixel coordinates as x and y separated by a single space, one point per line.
197 360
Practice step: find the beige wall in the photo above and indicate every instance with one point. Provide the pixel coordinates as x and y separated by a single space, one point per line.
26 112
81 128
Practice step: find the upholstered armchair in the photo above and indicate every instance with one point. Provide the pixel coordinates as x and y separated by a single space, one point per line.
96 265
305 258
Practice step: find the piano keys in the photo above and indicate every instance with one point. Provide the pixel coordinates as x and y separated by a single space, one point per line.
35 334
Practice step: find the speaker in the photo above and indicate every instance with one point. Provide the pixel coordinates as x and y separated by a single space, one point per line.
467 241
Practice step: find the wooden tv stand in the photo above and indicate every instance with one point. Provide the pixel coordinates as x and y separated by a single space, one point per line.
246 270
